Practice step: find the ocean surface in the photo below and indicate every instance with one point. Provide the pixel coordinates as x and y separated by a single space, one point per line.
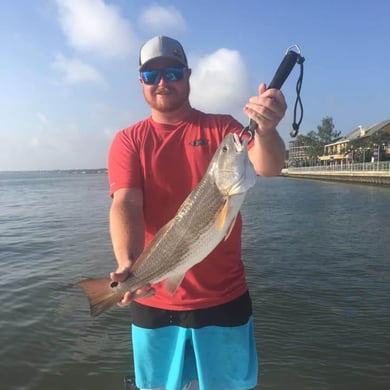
318 266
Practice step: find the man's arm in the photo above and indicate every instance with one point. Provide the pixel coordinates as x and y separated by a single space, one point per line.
127 236
268 152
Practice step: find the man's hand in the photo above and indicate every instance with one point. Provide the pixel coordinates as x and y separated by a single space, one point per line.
120 275
266 109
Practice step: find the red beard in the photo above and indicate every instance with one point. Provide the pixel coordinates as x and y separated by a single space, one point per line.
167 99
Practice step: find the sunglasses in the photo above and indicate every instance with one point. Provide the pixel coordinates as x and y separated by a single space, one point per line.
153 77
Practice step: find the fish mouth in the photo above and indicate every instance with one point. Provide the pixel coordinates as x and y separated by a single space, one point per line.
238 144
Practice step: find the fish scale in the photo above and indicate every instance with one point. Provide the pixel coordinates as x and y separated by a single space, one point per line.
185 229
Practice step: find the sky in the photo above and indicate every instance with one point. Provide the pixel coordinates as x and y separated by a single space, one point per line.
69 68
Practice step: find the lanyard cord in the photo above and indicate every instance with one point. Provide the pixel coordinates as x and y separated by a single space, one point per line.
290 59
298 100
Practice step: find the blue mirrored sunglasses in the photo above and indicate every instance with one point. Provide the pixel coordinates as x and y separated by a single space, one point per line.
153 77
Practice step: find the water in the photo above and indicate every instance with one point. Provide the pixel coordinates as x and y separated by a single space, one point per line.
318 265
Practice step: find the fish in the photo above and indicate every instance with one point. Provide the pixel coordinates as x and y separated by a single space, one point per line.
204 219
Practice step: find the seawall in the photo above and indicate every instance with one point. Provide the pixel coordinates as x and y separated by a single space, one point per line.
367 177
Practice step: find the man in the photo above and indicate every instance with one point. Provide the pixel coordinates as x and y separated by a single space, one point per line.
202 336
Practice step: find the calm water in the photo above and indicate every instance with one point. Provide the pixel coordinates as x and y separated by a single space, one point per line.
318 263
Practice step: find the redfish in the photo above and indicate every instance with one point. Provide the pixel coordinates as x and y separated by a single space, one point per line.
204 219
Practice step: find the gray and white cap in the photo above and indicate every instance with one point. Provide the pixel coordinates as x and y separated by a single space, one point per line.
161 47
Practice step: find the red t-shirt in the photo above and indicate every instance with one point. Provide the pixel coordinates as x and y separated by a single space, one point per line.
167 162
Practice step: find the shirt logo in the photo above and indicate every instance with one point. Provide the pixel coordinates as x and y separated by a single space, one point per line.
199 142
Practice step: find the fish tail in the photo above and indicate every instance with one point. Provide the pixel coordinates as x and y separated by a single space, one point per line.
100 294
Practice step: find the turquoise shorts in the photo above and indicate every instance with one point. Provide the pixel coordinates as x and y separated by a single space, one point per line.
219 357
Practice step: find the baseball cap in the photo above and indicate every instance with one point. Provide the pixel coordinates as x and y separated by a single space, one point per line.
161 47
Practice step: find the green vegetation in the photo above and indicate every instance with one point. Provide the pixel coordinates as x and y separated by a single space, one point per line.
316 140
360 149
363 150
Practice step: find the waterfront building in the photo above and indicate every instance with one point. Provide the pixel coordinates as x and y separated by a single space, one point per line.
342 150
297 152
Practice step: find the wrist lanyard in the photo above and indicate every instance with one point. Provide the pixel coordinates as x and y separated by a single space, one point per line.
289 60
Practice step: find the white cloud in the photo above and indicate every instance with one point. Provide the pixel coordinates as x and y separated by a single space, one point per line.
42 119
160 19
49 142
109 132
220 82
74 71
61 147
94 26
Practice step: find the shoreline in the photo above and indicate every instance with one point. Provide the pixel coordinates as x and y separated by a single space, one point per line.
381 177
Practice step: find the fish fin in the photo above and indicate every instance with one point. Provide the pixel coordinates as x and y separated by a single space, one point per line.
100 294
230 228
173 282
223 215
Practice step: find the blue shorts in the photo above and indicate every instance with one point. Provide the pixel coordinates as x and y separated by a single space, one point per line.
219 357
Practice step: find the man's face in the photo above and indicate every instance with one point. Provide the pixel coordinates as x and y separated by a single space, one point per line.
166 96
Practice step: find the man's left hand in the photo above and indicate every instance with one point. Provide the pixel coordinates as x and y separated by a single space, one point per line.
267 109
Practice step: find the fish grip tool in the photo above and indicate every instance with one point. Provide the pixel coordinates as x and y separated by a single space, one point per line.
290 58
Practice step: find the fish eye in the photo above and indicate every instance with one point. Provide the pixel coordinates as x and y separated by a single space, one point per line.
114 284
225 149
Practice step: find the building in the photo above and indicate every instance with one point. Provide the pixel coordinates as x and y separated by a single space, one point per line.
341 151
297 153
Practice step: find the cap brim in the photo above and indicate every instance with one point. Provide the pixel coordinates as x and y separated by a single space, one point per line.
173 59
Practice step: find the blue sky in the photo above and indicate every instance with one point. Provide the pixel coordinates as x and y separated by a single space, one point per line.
69 76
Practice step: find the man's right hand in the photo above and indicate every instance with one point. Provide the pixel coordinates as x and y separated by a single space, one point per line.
120 275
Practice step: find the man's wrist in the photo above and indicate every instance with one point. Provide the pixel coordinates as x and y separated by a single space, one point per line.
125 262
265 135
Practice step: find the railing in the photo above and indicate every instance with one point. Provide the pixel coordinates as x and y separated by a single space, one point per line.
382 166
